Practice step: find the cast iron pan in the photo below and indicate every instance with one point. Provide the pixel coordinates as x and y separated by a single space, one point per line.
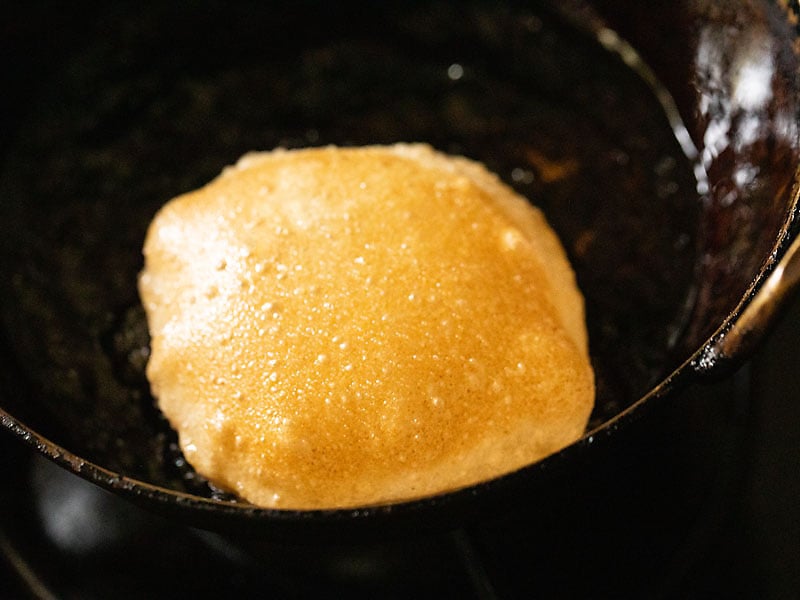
669 173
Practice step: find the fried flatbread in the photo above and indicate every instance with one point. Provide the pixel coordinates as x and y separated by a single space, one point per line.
339 327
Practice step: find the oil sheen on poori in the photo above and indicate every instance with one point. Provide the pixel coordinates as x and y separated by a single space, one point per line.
339 327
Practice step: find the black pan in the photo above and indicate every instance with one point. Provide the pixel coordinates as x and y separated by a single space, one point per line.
668 170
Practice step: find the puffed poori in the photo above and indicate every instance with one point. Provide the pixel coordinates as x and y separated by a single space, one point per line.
339 327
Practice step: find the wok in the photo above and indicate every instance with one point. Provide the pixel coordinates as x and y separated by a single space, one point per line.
660 140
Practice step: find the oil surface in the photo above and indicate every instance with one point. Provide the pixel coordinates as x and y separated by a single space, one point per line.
137 116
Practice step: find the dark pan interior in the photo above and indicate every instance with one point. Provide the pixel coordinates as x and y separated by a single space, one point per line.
132 107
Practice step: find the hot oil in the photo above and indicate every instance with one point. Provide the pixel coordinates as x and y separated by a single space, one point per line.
135 118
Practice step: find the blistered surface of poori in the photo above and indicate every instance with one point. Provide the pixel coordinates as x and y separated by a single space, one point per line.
342 327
